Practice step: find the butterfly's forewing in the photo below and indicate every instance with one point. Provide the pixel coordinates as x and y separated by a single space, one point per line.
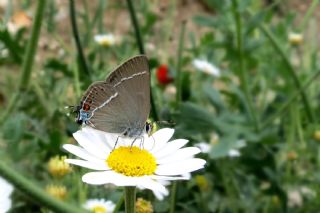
129 105
99 96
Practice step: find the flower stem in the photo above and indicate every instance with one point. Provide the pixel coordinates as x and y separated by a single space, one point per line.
28 59
135 24
243 74
37 194
130 199
179 64
32 46
173 197
82 59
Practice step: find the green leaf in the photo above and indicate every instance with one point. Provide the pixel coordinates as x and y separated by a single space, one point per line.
214 97
194 119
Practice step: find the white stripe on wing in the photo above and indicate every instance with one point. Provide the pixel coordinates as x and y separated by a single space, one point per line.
130 77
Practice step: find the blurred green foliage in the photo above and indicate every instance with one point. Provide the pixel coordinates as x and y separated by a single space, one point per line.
265 175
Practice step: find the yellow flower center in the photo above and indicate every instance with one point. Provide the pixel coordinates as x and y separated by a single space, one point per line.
99 209
57 191
143 206
132 161
57 167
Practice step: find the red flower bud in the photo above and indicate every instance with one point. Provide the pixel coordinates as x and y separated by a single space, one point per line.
163 75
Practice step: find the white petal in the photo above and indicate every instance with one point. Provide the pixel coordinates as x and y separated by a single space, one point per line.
98 178
161 137
81 153
170 148
98 137
155 186
159 195
157 177
179 155
179 168
111 140
88 143
5 204
86 164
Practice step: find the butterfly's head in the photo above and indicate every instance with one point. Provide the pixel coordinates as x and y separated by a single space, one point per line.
77 110
149 127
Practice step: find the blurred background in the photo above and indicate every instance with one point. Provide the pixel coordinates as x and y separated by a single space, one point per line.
239 79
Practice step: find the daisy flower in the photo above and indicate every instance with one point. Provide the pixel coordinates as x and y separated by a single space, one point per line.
99 205
207 67
145 164
233 152
106 40
5 191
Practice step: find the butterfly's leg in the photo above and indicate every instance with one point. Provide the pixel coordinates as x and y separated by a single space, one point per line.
133 142
115 144
141 142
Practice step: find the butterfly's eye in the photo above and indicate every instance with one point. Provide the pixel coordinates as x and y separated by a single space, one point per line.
148 128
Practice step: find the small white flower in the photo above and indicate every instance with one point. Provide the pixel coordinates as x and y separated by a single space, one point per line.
206 67
204 147
294 199
295 38
106 40
234 153
99 205
156 159
5 192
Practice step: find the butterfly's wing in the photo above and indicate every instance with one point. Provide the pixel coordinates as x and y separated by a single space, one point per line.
129 106
101 98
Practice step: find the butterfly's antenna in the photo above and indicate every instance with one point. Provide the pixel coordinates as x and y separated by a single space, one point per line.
69 107
166 122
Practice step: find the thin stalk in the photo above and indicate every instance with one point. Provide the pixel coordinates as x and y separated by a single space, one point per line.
28 60
135 24
82 59
179 64
173 197
291 71
243 74
32 46
32 189
293 97
76 80
119 204
308 15
130 199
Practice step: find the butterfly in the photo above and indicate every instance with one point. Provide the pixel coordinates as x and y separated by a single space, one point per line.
121 103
